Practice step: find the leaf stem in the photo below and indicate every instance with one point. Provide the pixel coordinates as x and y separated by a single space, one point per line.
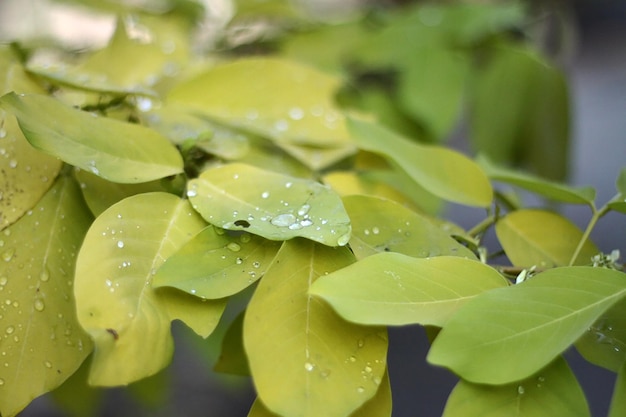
597 214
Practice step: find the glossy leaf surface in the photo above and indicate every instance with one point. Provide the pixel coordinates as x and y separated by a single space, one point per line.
306 360
553 391
549 189
275 98
116 303
114 150
395 289
275 206
542 238
532 322
214 264
443 172
380 225
41 341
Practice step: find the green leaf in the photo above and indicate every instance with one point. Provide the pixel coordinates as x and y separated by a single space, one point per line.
233 359
618 403
157 47
554 391
443 172
395 289
114 150
523 328
41 341
275 206
542 238
100 194
306 360
317 158
380 225
549 189
604 342
378 406
532 124
282 100
115 301
26 173
75 397
432 86
214 264
619 204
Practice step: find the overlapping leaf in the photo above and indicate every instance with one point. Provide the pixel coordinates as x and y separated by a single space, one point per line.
619 204
604 342
306 360
380 225
532 322
278 207
395 289
215 265
157 47
618 403
553 391
443 172
275 98
542 238
114 150
552 190
115 301
41 341
26 173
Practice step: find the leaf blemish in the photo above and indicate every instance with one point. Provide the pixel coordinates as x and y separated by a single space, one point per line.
114 334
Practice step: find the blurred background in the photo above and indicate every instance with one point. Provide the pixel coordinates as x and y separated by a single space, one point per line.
595 63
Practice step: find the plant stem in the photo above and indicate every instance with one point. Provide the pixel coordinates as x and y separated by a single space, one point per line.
597 214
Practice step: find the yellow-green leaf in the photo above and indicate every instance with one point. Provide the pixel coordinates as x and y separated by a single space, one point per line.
233 359
542 238
305 360
278 207
114 150
25 173
618 402
115 301
41 341
283 100
395 289
443 172
604 342
214 264
380 225
553 391
531 323
157 47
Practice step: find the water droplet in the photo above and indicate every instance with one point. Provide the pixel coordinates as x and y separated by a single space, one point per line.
245 238
304 210
375 230
48 364
7 255
233 247
265 194
520 390
344 239
360 390
296 113
144 103
288 184
238 261
367 369
360 343
13 163
3 281
352 359
39 305
308 366
256 264
44 275
281 125
1 382
295 226
192 193
10 330
283 220
120 244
